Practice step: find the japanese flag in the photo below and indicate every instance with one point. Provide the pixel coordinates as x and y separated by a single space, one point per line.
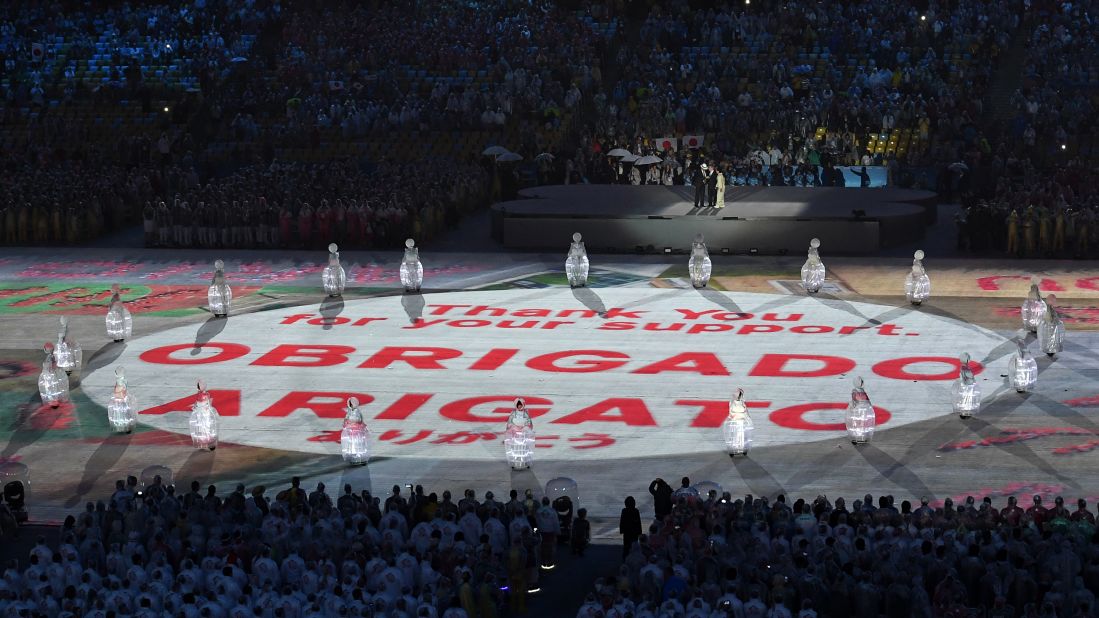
663 144
38 52
693 141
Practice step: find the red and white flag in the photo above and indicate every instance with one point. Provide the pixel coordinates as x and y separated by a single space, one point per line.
664 144
693 141
38 52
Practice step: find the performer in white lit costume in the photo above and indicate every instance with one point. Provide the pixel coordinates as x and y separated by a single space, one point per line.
412 271
53 382
917 286
519 437
120 324
738 426
966 391
220 296
861 419
1033 307
120 409
699 265
355 437
1051 329
67 351
333 276
576 264
812 272
204 420
1022 368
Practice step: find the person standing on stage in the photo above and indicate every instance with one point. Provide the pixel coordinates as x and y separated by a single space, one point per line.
711 187
702 186
718 199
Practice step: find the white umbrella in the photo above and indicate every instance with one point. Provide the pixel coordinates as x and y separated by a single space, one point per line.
648 160
630 158
619 152
545 156
508 157
958 167
493 151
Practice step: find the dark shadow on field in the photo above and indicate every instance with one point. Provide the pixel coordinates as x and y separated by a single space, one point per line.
104 458
330 309
591 300
210 328
413 306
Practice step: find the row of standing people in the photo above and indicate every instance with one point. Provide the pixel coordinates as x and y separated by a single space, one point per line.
1032 232
38 224
262 225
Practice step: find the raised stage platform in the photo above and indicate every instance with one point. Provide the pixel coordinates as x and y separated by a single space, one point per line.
770 220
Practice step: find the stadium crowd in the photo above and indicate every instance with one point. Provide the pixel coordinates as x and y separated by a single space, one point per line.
150 551
812 84
137 91
111 112
1038 197
1060 83
711 555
